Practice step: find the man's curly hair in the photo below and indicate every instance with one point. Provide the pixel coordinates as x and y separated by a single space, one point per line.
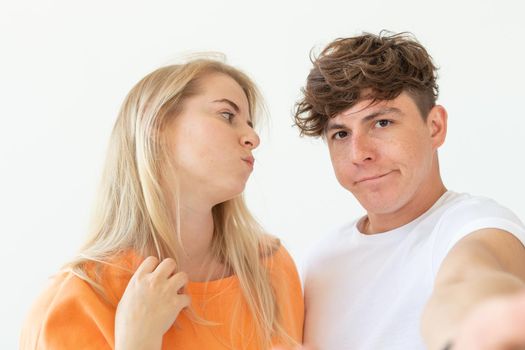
369 66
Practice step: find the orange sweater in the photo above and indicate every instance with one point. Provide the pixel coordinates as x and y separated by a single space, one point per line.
71 315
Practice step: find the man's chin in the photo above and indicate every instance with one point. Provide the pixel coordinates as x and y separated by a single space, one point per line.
379 204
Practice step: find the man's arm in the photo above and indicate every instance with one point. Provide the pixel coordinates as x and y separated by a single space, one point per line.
485 264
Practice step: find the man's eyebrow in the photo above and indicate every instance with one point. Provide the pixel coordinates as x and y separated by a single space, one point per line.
383 111
373 115
230 102
335 126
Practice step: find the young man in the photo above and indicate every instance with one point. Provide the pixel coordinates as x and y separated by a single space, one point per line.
423 260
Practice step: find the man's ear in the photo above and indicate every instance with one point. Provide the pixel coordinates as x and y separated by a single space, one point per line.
437 125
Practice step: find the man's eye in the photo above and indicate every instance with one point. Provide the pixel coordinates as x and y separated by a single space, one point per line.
383 123
227 115
340 135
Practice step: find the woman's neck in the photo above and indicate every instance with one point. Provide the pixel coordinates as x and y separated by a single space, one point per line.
196 233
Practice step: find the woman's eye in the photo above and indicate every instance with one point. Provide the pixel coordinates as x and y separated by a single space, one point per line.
339 135
227 115
383 123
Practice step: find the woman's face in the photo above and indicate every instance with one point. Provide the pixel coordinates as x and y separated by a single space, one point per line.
211 141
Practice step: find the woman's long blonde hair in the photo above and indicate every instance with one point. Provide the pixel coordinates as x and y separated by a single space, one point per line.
132 210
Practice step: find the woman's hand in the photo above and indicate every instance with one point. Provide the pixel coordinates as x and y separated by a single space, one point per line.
150 305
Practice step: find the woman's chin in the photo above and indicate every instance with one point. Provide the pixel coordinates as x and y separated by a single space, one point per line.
231 194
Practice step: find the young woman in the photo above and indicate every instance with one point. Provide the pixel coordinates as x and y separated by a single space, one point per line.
174 259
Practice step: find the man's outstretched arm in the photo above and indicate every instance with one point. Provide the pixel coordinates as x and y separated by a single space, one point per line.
482 269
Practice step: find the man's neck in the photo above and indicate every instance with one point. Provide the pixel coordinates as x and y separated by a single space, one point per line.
375 223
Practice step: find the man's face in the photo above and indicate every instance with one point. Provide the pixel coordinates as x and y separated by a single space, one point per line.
385 153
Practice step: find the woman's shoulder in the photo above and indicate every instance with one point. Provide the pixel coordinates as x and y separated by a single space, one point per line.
276 257
74 307
62 311
287 288
61 291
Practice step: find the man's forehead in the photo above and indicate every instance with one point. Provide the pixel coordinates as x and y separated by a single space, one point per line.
360 110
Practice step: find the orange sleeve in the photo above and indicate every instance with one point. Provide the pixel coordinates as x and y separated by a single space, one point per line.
69 314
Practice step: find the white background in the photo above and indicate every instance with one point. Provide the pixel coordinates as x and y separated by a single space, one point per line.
67 65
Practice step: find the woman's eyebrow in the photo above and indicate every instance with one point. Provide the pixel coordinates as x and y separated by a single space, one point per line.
230 102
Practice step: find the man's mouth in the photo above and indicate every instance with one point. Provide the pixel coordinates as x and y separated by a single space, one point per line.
372 177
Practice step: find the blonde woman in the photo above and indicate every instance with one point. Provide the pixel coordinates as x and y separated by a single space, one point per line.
174 259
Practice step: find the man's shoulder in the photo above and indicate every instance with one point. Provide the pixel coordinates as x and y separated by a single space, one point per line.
336 235
334 239
467 208
467 214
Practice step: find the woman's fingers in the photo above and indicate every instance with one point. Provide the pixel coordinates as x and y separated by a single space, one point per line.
182 301
147 266
151 302
166 268
179 280
164 274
